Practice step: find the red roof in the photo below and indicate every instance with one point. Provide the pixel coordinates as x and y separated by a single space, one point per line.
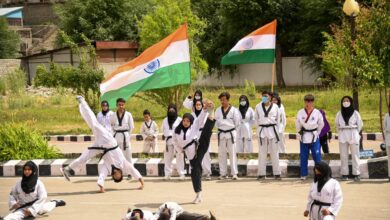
102 45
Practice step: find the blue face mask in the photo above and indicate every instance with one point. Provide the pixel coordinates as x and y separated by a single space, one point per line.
264 99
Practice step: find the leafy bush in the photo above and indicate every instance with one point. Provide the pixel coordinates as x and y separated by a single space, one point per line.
17 141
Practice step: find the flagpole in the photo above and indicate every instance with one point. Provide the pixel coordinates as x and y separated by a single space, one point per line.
273 76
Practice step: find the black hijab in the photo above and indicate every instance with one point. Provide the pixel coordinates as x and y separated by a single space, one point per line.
181 126
243 109
108 109
29 182
197 112
198 92
279 100
347 112
326 174
172 116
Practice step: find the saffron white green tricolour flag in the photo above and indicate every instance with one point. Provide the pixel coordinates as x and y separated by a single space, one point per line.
257 47
164 64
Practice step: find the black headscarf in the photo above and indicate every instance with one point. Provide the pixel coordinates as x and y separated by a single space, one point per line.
172 116
181 126
197 112
243 109
279 100
199 93
108 107
29 182
347 112
326 174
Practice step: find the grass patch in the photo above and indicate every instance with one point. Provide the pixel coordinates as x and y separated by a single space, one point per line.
59 114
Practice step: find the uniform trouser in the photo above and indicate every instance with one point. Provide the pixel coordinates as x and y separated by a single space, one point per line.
282 143
168 157
268 145
206 164
126 152
150 146
388 158
83 158
324 144
344 158
226 145
314 215
304 155
19 214
244 145
191 216
196 162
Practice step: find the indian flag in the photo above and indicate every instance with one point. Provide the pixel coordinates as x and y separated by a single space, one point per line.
257 47
164 64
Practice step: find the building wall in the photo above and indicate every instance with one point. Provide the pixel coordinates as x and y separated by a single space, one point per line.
39 13
65 57
8 65
294 73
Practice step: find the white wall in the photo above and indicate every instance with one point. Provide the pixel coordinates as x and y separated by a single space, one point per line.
294 73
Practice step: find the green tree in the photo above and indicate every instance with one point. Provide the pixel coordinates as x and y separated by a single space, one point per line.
299 31
9 41
166 17
368 56
102 19
83 80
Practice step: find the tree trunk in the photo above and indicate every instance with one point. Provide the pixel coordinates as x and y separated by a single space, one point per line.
279 67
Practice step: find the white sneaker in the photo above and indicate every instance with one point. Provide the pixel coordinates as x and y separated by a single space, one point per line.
235 177
167 178
303 178
208 177
222 177
182 177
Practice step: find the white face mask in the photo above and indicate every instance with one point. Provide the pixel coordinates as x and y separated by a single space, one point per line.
197 97
243 103
346 104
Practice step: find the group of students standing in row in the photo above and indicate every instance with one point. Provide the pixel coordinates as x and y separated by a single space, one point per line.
235 134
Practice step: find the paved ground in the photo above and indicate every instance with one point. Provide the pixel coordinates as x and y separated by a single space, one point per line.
243 199
292 146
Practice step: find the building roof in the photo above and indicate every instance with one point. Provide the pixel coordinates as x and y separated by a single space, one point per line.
4 12
102 45
99 45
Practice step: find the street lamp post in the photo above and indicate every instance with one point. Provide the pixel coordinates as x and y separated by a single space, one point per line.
351 8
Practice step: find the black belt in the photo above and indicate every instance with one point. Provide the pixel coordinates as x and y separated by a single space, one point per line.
267 126
227 131
320 204
25 205
105 150
166 143
303 130
194 141
124 137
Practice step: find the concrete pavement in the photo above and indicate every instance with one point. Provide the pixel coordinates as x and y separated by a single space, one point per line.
243 199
